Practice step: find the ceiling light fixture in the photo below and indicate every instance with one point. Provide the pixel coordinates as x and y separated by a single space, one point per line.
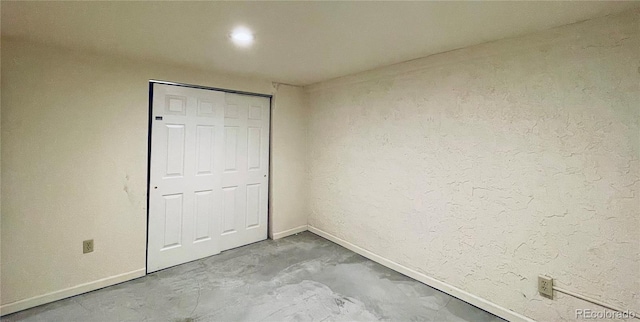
242 37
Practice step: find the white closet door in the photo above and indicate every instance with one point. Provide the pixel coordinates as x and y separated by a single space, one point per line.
246 169
208 175
185 199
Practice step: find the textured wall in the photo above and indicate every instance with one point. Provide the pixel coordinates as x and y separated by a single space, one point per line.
288 160
487 166
74 163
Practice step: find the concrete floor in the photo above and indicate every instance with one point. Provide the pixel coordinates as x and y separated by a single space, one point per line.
298 278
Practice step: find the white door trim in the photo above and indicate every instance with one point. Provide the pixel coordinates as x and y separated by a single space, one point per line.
226 90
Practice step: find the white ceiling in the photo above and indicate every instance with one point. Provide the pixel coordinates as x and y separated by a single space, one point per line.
296 42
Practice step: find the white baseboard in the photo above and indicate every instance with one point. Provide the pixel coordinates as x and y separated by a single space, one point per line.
442 286
68 292
289 232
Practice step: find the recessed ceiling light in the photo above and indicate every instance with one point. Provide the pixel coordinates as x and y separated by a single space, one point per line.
242 37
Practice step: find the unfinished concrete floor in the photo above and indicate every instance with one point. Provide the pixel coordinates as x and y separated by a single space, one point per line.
298 278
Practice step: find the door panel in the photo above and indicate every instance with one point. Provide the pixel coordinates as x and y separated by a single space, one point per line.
172 221
208 174
246 169
204 215
175 150
205 138
186 162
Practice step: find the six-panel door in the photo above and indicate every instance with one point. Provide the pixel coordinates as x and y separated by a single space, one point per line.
208 174
246 169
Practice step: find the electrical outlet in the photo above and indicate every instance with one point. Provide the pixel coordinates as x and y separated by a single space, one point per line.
545 286
87 246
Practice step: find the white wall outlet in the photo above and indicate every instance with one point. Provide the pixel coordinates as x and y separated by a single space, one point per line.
545 286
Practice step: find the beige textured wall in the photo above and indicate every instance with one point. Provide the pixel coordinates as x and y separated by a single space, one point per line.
74 163
289 124
487 166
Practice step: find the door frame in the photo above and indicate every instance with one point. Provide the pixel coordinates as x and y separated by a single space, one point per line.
149 128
